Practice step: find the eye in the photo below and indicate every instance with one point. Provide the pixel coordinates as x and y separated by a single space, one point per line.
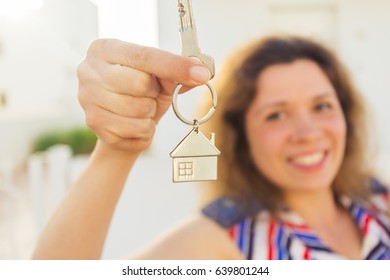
322 107
275 116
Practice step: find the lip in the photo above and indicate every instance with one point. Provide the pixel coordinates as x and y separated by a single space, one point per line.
309 168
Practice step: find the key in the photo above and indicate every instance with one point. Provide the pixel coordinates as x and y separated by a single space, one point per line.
188 36
195 157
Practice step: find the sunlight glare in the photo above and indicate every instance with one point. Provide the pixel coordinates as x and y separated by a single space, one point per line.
16 9
133 21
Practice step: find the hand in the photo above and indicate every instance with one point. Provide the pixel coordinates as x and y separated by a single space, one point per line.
125 89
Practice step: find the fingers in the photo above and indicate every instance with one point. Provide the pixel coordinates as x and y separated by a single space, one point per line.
119 103
112 128
125 89
164 65
125 80
92 94
122 105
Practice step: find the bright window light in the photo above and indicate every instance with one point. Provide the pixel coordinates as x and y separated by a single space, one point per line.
130 20
16 9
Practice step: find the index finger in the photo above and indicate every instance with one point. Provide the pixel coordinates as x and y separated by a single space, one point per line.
163 64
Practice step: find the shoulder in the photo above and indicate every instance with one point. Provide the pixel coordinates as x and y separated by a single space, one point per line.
230 211
196 238
247 222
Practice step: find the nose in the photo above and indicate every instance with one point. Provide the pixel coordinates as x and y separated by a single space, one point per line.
305 128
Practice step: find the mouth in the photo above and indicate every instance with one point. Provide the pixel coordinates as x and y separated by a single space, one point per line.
309 161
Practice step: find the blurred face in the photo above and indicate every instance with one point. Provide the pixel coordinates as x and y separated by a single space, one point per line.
295 127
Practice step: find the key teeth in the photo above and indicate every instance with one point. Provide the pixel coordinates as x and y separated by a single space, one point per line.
189 40
185 14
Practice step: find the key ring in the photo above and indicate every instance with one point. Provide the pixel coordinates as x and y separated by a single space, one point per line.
206 117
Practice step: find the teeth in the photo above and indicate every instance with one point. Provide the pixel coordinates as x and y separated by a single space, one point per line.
309 159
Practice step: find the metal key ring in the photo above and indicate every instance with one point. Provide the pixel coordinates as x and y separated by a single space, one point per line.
205 118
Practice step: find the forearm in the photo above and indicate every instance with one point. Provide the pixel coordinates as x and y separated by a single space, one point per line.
79 227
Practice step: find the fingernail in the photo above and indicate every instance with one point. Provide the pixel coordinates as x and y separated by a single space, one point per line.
200 73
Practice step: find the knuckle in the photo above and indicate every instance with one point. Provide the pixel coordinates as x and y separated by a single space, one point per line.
146 108
111 139
141 84
142 106
97 45
91 120
81 96
81 69
94 120
146 85
149 127
87 71
152 106
145 144
86 96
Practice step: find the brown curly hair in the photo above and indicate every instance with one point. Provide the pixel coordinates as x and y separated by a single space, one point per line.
236 87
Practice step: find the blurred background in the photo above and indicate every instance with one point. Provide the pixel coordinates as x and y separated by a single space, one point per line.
43 140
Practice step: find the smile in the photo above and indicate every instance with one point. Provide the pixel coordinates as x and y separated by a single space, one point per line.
312 160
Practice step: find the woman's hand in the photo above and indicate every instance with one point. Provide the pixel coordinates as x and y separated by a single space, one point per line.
125 89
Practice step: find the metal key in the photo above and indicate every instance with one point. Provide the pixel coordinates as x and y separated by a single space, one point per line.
195 157
190 47
188 36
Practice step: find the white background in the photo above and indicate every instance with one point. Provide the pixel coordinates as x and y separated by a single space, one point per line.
41 50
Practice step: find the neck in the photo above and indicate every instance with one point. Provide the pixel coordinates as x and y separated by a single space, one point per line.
318 209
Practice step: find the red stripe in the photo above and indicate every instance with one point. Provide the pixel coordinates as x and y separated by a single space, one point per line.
366 222
271 250
233 232
304 227
306 254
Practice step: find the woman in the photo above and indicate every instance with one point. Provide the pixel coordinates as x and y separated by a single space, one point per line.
292 184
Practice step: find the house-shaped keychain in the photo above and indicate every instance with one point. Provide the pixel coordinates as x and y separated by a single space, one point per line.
195 158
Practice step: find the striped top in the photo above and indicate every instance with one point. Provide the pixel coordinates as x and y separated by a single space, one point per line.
287 238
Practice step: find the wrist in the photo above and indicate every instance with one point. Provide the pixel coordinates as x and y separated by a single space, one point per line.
106 152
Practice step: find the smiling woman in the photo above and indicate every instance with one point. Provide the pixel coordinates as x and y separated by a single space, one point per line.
290 117
18 8
292 183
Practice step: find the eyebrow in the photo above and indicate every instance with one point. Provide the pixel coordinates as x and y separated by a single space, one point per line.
284 103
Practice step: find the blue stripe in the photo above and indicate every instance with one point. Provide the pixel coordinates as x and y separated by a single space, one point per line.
245 235
359 214
250 241
386 255
378 187
279 245
311 241
288 247
382 222
308 237
244 238
319 248
360 211
376 252
241 236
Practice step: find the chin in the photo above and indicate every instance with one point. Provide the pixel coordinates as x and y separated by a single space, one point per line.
308 184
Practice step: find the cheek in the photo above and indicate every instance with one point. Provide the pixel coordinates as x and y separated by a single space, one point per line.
266 144
337 127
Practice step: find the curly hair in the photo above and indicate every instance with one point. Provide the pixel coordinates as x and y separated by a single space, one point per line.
236 87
